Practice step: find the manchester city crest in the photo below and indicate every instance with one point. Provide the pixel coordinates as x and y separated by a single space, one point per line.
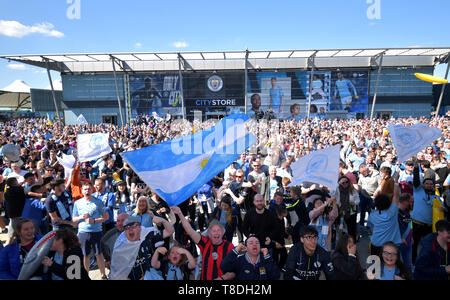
215 83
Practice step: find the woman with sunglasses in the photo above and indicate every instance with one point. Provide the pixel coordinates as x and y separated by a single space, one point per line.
348 200
226 216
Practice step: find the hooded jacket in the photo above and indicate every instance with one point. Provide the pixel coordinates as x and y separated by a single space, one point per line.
431 261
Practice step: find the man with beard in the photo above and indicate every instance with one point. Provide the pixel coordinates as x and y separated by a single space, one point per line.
260 221
422 215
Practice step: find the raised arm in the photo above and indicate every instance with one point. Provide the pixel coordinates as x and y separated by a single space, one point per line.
155 259
196 237
168 228
396 194
416 176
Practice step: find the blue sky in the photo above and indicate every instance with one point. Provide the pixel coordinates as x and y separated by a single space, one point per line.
43 27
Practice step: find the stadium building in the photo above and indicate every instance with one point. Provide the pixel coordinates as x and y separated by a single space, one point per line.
115 87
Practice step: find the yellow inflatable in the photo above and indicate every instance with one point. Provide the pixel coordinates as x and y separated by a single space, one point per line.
385 132
430 78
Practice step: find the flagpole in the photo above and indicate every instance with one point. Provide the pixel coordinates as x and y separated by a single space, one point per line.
53 92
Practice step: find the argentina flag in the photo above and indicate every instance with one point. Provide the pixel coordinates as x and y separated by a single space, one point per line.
176 169
410 140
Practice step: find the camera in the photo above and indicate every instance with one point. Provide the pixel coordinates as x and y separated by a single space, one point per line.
328 209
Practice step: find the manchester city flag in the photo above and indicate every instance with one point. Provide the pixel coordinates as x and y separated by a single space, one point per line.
409 140
92 145
176 169
320 167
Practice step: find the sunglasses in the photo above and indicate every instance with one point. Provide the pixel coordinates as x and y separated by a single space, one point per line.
344 182
130 226
239 176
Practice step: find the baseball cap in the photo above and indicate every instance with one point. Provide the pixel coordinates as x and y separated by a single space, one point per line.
447 141
130 220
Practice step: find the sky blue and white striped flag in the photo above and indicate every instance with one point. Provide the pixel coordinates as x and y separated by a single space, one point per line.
321 167
410 140
176 169
81 120
92 145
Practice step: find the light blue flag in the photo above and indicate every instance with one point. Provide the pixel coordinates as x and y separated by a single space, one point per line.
92 145
321 167
408 141
176 169
82 120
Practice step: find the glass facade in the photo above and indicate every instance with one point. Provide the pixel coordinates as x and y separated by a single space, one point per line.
400 82
347 91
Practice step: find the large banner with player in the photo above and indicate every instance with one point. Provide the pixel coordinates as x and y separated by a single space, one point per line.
349 92
158 93
285 95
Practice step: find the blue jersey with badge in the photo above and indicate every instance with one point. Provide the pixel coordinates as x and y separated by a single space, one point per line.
95 208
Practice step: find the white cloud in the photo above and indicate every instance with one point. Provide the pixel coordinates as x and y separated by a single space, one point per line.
16 29
17 67
180 44
138 45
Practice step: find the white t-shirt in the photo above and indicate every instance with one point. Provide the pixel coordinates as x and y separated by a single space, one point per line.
19 177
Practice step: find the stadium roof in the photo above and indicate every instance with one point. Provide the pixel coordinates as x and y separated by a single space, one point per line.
232 60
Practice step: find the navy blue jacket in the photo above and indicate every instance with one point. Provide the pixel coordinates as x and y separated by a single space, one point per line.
265 268
430 263
303 267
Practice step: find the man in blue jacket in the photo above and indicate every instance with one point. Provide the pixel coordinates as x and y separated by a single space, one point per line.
34 208
433 262
255 264
422 215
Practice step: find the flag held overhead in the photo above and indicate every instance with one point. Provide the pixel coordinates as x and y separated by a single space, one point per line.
410 140
176 169
93 145
321 167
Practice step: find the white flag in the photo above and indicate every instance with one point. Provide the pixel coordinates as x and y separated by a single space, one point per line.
93 145
81 119
321 167
408 141
68 162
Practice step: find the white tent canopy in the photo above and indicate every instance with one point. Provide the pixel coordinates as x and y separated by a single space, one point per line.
16 95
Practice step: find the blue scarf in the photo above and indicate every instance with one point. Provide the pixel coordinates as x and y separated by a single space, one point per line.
173 270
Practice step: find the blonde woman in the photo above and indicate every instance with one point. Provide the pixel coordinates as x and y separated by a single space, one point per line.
143 212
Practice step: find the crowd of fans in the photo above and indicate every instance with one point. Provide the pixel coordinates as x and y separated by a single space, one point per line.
246 223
